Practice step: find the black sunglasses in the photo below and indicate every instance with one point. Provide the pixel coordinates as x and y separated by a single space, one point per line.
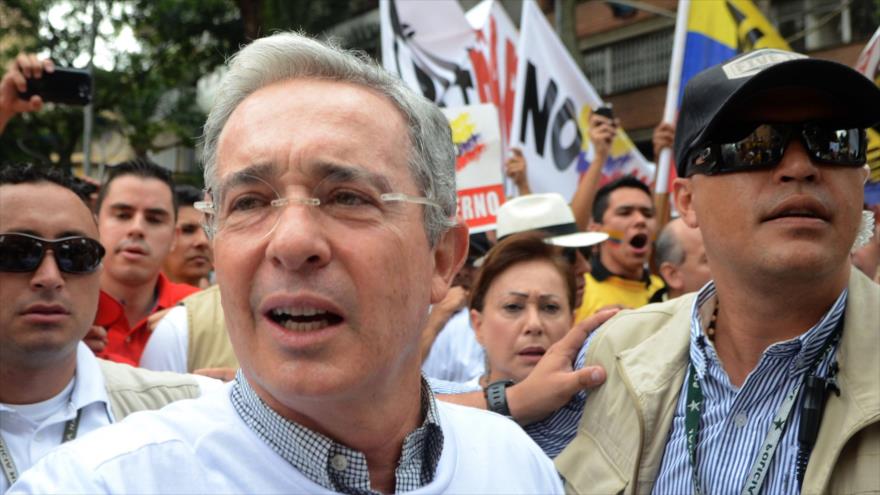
24 253
761 146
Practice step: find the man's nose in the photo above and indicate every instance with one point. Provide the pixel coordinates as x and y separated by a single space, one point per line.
298 240
796 164
47 275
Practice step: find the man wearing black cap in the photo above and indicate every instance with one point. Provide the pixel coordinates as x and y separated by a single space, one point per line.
766 380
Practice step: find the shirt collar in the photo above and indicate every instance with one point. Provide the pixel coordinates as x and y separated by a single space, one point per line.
333 465
88 385
804 349
601 273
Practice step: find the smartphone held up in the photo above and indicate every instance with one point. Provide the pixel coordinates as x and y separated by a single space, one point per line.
63 85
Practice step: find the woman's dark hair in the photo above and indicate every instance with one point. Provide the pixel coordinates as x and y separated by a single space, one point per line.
518 248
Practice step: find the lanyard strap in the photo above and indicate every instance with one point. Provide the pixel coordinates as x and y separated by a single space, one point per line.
760 465
8 465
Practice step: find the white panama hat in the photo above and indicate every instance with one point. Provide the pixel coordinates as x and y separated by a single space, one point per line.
546 212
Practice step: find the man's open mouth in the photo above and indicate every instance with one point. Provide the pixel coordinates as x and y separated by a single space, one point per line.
639 241
303 319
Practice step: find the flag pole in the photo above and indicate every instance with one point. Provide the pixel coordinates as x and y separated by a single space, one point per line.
661 183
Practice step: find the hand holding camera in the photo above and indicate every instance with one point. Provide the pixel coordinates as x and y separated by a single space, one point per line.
603 129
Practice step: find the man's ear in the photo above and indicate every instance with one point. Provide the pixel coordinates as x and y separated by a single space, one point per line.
477 325
450 254
177 234
684 201
671 275
594 226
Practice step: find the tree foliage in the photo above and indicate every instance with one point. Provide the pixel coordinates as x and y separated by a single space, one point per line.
147 94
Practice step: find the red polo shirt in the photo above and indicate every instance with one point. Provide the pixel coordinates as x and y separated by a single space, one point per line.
126 344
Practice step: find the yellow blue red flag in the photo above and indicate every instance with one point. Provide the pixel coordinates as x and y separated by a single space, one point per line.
719 29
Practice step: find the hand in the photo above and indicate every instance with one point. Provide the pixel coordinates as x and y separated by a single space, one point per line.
553 381
515 167
456 298
602 133
664 137
15 80
225 374
96 339
153 319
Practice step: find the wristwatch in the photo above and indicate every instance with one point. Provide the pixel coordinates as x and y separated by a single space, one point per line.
496 397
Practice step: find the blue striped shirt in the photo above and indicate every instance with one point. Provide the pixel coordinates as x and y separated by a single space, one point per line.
735 421
553 433
556 431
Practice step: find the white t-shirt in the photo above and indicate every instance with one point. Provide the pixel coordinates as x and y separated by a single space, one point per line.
455 355
202 446
31 431
168 346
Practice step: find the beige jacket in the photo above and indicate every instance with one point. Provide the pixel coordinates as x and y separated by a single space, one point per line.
622 436
136 389
209 345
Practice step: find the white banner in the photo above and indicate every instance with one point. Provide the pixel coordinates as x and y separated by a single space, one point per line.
425 42
478 177
551 113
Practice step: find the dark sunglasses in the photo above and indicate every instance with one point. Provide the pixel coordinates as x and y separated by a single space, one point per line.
24 253
761 146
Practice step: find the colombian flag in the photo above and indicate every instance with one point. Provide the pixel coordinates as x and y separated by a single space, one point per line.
869 65
717 30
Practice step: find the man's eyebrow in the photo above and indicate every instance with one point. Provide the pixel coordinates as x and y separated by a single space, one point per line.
250 175
158 211
151 211
336 172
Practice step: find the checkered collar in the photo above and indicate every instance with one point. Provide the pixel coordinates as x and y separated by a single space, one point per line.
333 465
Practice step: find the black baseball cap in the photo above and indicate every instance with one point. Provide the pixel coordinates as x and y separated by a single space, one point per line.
718 90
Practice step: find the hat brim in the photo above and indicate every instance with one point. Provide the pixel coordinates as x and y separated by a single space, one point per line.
851 88
576 240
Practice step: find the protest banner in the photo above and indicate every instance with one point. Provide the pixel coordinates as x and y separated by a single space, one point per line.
551 113
478 176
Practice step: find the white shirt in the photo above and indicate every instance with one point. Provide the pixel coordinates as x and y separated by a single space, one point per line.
31 431
168 346
203 446
455 355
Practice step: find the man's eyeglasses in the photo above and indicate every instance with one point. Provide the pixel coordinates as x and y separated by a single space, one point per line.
24 253
252 207
761 146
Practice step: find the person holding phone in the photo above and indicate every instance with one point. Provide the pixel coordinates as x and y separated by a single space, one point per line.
25 66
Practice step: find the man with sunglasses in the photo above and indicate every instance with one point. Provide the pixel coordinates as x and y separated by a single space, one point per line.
766 380
52 388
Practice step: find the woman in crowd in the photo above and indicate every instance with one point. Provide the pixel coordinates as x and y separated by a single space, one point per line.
521 303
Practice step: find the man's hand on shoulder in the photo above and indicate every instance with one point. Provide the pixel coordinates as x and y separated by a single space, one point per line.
554 380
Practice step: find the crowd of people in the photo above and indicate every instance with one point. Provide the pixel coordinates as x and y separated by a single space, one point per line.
318 319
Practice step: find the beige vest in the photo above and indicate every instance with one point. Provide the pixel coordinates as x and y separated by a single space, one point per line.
136 389
209 345
622 435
